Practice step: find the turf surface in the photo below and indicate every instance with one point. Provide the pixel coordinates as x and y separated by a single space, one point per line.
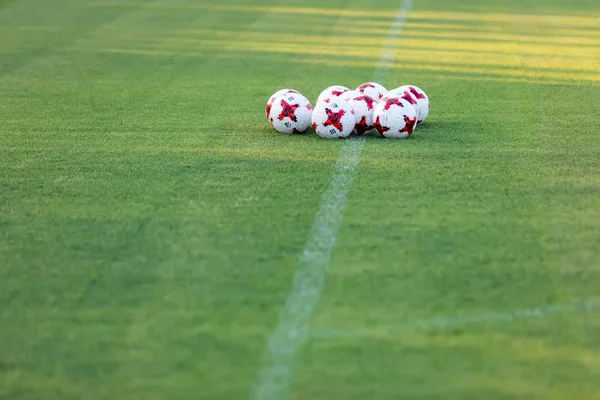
151 221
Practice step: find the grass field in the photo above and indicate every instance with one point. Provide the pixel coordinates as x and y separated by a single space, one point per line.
151 221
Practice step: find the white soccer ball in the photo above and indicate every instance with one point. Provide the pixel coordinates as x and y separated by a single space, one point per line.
290 113
422 101
404 94
373 89
363 107
276 95
333 120
332 91
395 118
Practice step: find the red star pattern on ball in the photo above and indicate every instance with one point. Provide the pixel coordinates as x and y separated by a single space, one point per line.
367 99
333 119
362 87
416 93
410 125
362 126
408 97
314 125
338 92
380 128
392 101
288 110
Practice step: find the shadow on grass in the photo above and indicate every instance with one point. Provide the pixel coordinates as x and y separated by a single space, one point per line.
434 131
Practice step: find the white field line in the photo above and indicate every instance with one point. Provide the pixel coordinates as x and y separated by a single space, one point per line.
462 320
294 325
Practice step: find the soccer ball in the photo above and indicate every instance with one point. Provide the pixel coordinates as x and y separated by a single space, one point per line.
395 118
363 107
276 95
422 101
404 94
334 119
332 91
373 89
290 113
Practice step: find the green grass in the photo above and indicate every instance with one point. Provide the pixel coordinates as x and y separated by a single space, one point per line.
151 221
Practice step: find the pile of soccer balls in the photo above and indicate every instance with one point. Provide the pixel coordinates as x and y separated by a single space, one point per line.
340 111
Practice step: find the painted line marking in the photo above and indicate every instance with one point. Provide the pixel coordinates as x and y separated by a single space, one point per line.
462 320
293 329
